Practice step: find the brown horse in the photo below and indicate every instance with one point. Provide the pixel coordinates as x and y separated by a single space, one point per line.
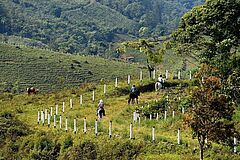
133 96
32 90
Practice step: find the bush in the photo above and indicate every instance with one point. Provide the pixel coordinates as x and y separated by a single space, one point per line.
86 150
68 142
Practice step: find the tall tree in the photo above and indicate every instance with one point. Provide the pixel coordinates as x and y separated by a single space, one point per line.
212 114
212 32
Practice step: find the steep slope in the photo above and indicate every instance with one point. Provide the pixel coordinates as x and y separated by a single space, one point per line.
22 67
89 26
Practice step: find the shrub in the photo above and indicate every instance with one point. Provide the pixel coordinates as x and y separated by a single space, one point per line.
86 150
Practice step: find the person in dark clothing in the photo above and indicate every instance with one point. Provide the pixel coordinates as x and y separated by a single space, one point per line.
134 93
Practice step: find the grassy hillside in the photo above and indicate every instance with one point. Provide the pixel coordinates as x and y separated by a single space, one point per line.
89 26
29 140
22 67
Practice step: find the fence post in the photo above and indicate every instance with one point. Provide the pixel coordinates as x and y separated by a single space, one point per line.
141 75
157 117
165 115
38 117
74 126
66 124
153 134
84 126
104 89
45 114
178 140
116 82
51 113
42 117
134 116
81 100
96 127
129 80
56 109
54 121
131 131
93 96
63 107
173 114
110 129
71 104
150 116
235 145
179 75
49 120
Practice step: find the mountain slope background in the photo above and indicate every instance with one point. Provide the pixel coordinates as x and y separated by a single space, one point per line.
89 26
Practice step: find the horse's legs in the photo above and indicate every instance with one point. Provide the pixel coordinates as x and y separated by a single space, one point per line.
132 100
129 100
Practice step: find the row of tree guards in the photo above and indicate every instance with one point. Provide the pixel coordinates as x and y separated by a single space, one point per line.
104 92
136 118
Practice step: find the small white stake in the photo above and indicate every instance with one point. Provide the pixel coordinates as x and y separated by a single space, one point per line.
38 117
131 131
51 113
66 124
42 117
56 109
134 116
173 114
63 107
110 129
165 115
157 117
81 100
116 82
141 75
85 126
129 79
179 74
54 121
104 88
96 127
235 145
45 114
153 134
49 116
75 126
93 96
178 136
71 104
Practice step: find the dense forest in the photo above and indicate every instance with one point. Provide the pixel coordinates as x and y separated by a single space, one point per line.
89 26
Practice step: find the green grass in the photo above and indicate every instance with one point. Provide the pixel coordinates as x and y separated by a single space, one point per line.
117 110
23 67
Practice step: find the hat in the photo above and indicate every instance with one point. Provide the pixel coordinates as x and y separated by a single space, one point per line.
101 101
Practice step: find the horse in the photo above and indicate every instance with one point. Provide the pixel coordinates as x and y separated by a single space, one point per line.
158 86
132 96
101 113
32 90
